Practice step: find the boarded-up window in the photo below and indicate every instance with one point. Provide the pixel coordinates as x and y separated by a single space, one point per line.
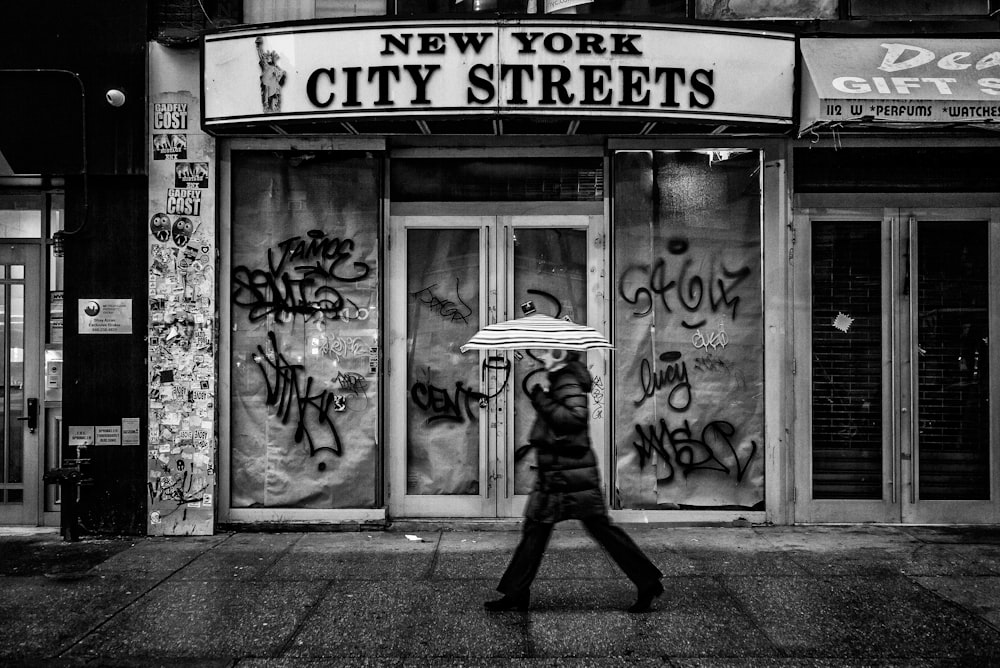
688 330
305 322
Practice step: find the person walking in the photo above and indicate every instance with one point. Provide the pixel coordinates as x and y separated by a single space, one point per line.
568 487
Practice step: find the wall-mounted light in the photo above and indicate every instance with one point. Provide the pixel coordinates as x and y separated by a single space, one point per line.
115 97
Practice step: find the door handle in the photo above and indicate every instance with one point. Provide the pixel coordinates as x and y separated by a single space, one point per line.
32 416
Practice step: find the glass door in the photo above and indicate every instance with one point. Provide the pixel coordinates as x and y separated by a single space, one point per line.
897 382
948 434
440 407
458 423
20 454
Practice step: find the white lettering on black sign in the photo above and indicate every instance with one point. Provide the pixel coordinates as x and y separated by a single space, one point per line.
184 201
170 116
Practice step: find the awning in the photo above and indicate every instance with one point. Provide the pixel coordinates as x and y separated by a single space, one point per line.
899 81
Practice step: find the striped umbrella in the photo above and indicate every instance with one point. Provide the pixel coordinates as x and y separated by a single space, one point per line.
537 331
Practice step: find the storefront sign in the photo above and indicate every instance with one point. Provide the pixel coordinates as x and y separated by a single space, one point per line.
105 316
461 68
900 79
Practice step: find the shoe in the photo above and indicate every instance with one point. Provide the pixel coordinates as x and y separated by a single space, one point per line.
509 602
646 596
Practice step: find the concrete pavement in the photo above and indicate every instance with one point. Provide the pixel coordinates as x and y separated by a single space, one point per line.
749 596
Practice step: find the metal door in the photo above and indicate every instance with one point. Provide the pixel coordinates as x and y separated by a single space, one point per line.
948 319
894 379
20 370
458 423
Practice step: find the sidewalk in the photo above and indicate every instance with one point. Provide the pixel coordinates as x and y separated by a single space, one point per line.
756 596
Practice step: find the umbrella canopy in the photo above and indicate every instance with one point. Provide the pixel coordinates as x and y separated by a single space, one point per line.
537 331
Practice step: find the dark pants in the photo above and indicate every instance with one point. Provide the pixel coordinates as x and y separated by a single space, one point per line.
527 557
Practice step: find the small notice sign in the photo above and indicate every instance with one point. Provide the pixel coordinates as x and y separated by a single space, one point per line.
81 436
109 435
130 431
105 316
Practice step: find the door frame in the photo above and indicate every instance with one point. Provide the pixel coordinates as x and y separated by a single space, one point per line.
32 508
226 514
495 219
899 503
915 511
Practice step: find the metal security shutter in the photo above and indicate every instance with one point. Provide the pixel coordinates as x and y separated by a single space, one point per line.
846 365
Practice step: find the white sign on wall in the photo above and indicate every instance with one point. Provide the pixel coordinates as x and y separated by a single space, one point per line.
460 68
105 316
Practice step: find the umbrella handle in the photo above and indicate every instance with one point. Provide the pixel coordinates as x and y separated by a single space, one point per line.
527 377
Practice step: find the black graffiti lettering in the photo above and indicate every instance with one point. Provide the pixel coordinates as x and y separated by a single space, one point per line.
454 407
179 487
598 395
550 298
679 446
673 375
684 291
445 307
286 393
265 293
357 388
496 363
306 289
327 253
352 382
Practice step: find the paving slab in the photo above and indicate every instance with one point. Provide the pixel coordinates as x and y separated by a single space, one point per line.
240 557
24 553
158 557
979 535
569 554
42 617
694 617
208 619
979 595
809 662
871 618
356 618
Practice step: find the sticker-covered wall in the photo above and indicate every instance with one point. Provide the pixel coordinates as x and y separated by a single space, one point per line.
182 335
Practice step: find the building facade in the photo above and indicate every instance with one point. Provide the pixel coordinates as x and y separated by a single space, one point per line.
783 215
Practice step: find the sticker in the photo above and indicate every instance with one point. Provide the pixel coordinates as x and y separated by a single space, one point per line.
184 201
159 225
169 147
191 175
170 116
181 232
843 322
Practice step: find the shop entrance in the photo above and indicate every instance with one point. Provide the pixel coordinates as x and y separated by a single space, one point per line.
898 382
458 423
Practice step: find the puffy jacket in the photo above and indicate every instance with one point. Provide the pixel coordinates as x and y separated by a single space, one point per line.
568 484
